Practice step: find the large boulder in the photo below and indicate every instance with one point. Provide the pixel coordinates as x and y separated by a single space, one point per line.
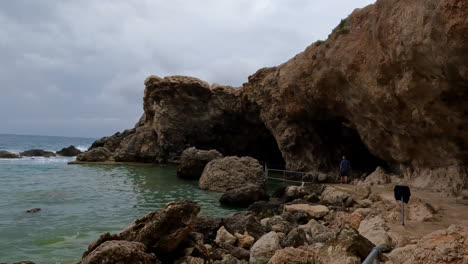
98 154
439 247
231 172
244 196
8 155
264 248
244 222
375 229
332 196
116 251
162 230
349 247
70 151
193 161
37 153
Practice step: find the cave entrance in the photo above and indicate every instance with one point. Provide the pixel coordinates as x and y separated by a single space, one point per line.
247 135
341 140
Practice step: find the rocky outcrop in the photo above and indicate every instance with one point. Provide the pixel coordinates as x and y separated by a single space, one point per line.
193 161
231 172
8 155
244 196
70 151
111 252
37 153
95 155
375 229
264 248
387 87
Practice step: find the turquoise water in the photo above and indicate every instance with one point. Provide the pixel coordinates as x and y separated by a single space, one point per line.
78 202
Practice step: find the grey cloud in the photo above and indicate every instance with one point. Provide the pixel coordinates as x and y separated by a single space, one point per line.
77 67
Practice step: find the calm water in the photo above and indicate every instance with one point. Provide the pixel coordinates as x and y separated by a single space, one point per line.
78 202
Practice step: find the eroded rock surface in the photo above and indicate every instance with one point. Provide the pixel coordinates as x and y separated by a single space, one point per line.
111 252
244 196
8 155
193 161
70 151
37 153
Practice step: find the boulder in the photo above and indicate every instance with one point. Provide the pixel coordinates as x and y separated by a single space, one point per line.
315 211
332 196
223 236
244 240
8 155
162 230
419 210
293 256
402 255
362 191
244 222
295 238
231 172
349 247
37 153
378 177
208 227
264 248
340 219
375 229
244 196
294 192
193 161
98 154
115 251
277 224
70 151
318 233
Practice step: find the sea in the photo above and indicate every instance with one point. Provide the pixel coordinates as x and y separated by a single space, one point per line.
78 202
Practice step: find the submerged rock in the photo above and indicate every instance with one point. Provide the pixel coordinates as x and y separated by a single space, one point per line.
193 161
37 153
33 210
70 151
231 172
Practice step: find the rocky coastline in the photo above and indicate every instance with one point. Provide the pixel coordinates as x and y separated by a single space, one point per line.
70 151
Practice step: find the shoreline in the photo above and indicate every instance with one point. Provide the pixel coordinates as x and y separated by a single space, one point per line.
126 163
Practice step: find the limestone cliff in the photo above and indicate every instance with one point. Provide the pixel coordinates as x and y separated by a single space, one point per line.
388 87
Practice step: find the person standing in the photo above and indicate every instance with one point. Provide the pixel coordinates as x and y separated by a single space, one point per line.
345 167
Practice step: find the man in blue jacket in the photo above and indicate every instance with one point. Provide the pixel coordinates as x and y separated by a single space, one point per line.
345 167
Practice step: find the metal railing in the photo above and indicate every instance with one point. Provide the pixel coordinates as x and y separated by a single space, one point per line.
374 256
284 173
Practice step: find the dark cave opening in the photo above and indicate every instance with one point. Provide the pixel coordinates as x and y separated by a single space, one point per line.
341 140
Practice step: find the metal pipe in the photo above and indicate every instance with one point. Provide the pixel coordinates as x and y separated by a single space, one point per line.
374 255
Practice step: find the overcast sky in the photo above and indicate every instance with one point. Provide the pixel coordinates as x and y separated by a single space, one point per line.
76 68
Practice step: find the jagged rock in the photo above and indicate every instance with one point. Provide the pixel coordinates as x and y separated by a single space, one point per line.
348 247
378 177
277 224
95 155
244 222
244 196
223 236
441 247
264 248
8 155
208 227
296 217
293 256
375 229
244 240
294 192
231 172
332 196
111 252
295 238
193 161
340 219
419 210
315 211
37 153
70 151
162 230
362 191
318 233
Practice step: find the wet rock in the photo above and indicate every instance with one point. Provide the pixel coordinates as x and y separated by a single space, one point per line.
8 155
37 153
244 240
244 222
348 247
70 151
223 236
264 248
193 161
162 230
293 256
375 229
21 262
315 211
99 154
33 210
231 172
111 252
295 238
244 196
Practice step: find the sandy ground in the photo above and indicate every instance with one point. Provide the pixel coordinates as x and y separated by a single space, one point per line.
450 210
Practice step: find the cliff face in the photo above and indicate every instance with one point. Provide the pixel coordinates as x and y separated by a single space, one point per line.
388 87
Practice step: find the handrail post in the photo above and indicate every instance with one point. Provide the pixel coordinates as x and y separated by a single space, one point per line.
373 257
